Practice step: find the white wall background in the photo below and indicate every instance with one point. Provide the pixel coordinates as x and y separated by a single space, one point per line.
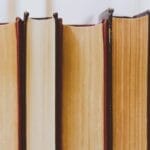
72 11
85 11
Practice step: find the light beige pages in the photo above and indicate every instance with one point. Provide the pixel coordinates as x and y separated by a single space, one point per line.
9 101
130 70
40 84
83 88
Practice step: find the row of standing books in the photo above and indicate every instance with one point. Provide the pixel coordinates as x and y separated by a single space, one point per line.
75 87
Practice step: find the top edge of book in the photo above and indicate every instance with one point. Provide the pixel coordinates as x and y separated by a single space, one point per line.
82 25
42 18
106 15
142 14
12 22
26 17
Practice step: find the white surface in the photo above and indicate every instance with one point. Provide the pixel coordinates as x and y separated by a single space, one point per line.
72 11
86 11
80 11
9 9
144 4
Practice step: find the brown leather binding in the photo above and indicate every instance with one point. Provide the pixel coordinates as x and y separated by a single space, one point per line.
21 46
106 18
58 82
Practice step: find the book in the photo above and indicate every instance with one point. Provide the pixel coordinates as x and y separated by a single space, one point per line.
75 87
130 82
40 83
9 86
80 84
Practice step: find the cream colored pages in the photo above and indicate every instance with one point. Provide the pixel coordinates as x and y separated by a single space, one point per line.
83 88
41 84
8 88
130 69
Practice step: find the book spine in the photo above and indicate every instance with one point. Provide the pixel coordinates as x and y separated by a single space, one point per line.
109 86
107 32
21 82
59 32
21 48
